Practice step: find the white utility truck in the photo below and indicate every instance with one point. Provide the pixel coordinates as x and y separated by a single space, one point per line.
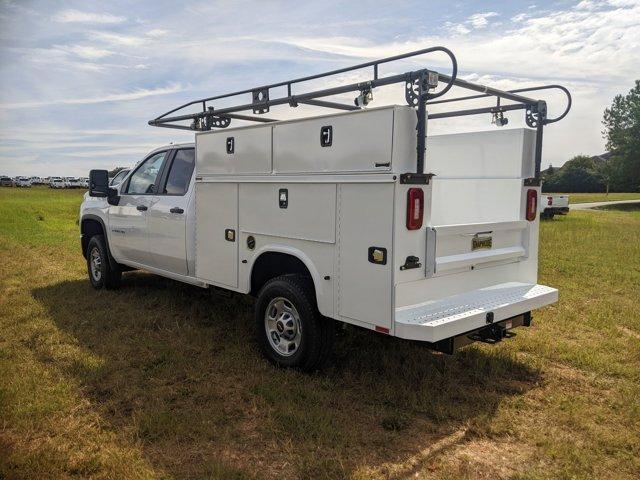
551 205
23 182
57 182
356 216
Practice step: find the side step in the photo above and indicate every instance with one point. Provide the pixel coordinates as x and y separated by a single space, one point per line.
451 316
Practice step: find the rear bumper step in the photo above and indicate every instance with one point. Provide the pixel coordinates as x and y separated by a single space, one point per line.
471 311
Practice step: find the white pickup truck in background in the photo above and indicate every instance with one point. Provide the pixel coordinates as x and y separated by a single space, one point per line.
551 205
356 217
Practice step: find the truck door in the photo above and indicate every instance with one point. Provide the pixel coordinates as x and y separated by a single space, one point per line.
166 217
128 237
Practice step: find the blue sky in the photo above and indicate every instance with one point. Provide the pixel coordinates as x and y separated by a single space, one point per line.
79 80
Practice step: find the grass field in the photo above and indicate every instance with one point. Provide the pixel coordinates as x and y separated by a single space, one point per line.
599 197
162 380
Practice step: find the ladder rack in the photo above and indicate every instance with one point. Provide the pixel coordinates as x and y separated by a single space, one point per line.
420 87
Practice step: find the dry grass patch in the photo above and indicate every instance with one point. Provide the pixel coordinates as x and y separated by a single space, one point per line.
163 380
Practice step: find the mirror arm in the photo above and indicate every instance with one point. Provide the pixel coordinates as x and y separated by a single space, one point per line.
113 198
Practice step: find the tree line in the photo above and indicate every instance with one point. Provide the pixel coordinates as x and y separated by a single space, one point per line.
619 169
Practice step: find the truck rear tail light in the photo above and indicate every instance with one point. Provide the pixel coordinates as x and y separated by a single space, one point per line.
532 204
549 201
415 208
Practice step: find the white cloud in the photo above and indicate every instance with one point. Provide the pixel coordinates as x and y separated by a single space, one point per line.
119 39
157 32
473 22
480 20
86 51
114 97
77 16
457 28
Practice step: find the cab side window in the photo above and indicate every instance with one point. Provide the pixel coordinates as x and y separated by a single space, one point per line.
180 172
144 178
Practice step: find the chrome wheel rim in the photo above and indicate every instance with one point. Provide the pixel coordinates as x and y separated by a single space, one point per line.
95 264
282 324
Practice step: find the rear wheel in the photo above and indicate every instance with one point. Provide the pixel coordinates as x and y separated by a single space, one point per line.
101 274
289 328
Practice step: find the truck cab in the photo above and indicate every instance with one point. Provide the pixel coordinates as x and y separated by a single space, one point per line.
148 227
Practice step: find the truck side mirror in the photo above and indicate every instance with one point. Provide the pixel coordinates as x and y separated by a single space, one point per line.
98 183
99 186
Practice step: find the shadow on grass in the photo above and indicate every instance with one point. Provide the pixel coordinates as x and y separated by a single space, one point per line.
177 367
621 207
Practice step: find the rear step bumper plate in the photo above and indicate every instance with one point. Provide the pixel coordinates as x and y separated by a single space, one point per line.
445 318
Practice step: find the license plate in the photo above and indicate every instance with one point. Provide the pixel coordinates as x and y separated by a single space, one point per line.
481 242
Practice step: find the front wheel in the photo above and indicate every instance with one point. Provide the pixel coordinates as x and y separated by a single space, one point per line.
101 274
289 328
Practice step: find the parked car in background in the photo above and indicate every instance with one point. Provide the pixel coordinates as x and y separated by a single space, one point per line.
554 205
56 182
119 177
23 182
6 181
84 182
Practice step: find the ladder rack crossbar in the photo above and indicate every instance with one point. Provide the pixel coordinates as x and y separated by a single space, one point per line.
420 88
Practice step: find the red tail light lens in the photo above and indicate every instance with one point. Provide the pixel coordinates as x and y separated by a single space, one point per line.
549 200
532 204
415 208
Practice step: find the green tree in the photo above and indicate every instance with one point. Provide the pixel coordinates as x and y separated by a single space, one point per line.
580 174
114 172
622 131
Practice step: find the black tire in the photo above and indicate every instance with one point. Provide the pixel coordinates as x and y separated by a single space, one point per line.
103 275
316 333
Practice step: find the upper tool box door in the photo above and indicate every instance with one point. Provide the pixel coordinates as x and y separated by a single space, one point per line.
237 151
352 142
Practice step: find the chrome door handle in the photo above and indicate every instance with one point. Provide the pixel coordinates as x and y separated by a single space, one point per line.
142 208
176 210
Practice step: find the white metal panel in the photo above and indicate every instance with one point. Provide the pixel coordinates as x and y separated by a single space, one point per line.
361 140
216 211
129 238
404 139
310 212
504 153
252 151
409 242
457 314
317 257
168 230
463 200
365 219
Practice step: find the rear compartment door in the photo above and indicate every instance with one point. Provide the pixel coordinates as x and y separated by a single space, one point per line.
364 255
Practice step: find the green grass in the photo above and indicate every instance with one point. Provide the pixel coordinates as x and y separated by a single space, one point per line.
598 197
162 380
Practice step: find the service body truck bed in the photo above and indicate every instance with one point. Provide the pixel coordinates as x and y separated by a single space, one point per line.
347 199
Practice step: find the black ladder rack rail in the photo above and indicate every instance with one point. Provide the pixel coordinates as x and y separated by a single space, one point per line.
420 90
